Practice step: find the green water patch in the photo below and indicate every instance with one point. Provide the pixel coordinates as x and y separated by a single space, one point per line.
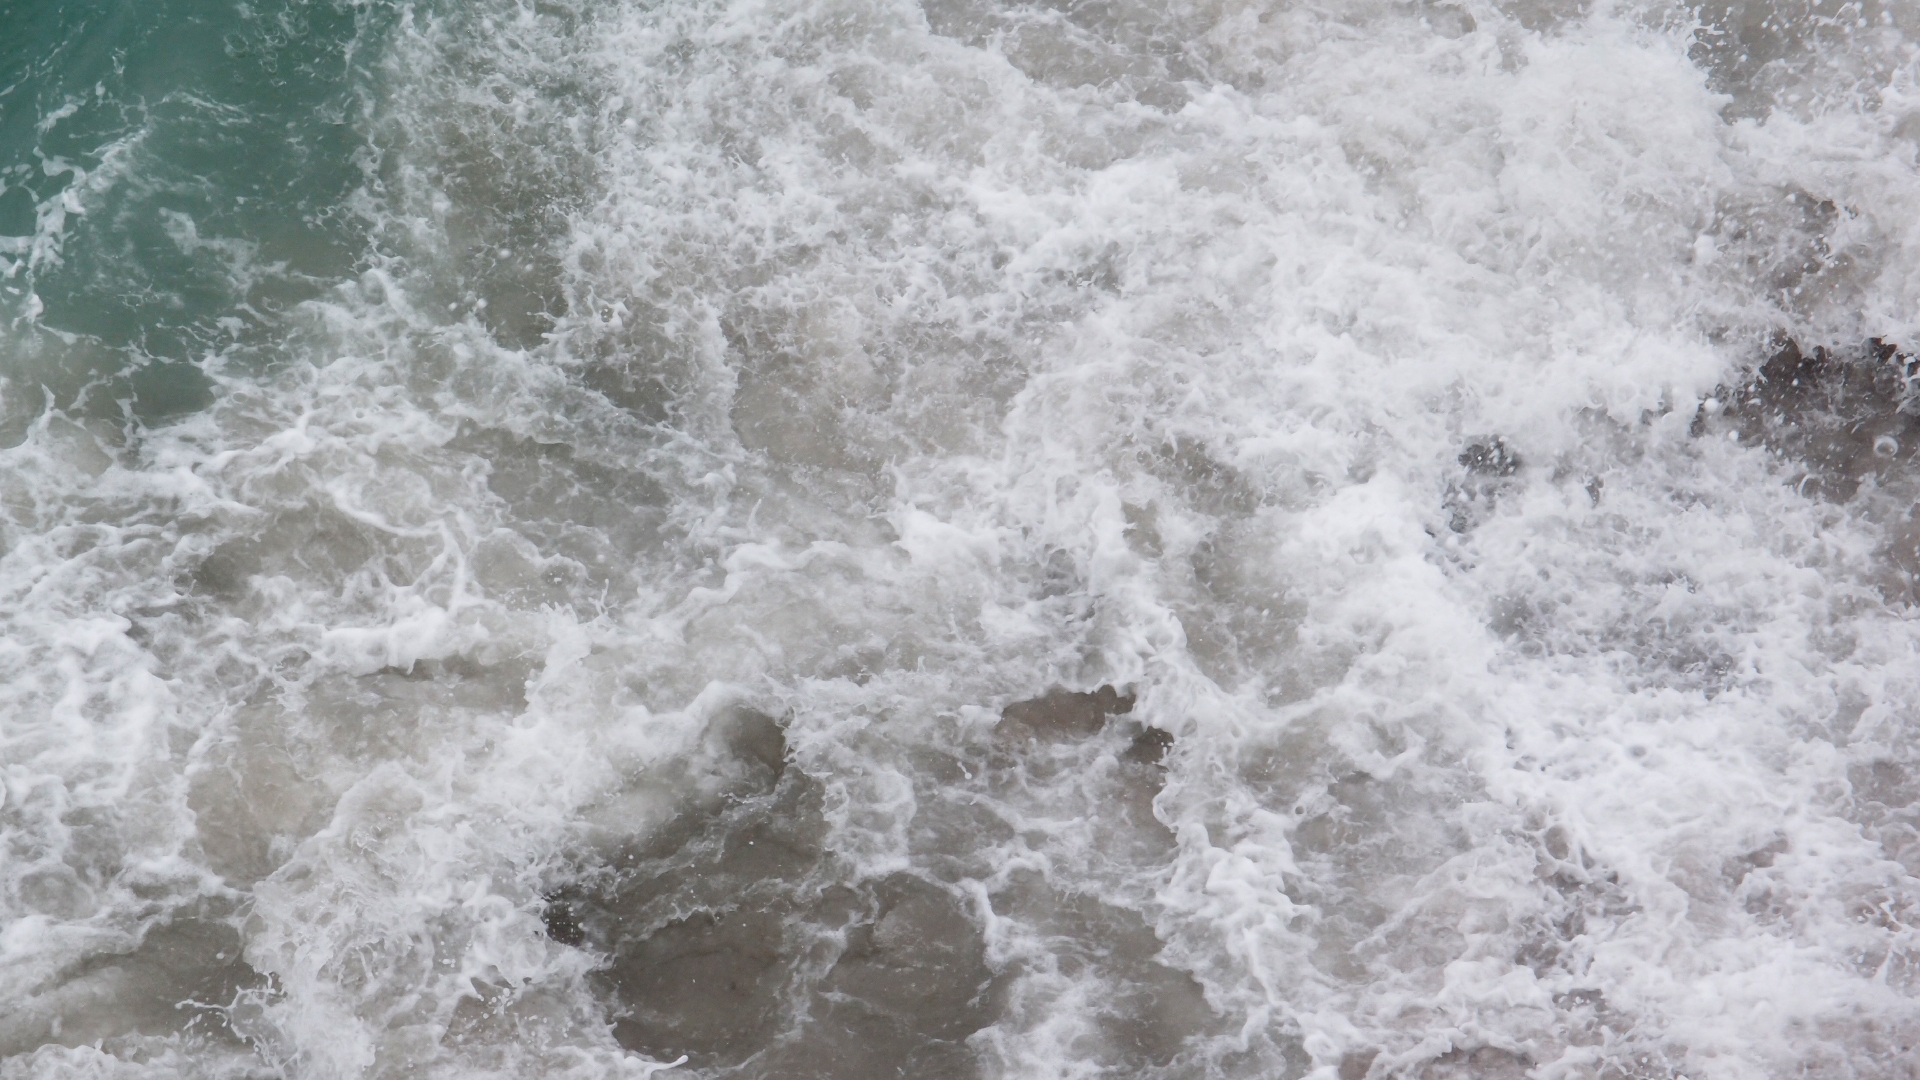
175 177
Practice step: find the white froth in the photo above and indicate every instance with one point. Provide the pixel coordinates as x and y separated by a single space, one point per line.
873 366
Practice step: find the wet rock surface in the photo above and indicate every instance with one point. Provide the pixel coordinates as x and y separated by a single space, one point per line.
180 979
737 939
1064 714
1145 1009
737 935
1490 458
1482 1063
1149 747
1488 468
1838 417
1844 426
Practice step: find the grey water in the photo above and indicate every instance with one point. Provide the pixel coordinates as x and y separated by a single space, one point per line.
1334 539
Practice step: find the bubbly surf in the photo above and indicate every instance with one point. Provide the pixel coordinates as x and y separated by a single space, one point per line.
1357 539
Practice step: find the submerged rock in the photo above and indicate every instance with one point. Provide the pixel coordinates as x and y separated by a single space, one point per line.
736 938
181 978
1481 1063
1062 714
1837 416
1150 746
1490 467
1490 458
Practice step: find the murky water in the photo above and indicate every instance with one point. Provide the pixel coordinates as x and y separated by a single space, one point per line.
850 539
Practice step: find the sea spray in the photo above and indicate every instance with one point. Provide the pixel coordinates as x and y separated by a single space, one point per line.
1366 539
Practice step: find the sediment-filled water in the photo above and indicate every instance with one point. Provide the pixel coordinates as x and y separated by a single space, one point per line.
1351 539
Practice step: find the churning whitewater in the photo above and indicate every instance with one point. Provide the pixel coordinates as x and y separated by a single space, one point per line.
852 539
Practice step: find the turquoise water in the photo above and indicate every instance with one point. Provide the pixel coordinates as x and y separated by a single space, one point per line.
174 178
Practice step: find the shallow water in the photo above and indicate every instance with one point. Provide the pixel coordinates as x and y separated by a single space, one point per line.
1351 539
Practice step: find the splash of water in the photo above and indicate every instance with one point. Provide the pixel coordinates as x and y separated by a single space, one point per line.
861 538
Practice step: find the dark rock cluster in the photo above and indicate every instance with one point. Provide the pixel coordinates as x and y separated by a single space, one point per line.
737 937
1835 417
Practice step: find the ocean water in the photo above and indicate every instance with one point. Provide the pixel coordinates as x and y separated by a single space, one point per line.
1350 539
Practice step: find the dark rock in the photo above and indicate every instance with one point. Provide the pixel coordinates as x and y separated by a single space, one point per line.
709 986
1061 714
1148 1011
183 976
1838 417
1150 746
736 938
562 924
1490 467
760 743
1490 458
910 987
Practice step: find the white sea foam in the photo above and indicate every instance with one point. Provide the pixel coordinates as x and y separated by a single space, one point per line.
1328 377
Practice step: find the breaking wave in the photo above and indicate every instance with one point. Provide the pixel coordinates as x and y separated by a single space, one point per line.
1351 539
